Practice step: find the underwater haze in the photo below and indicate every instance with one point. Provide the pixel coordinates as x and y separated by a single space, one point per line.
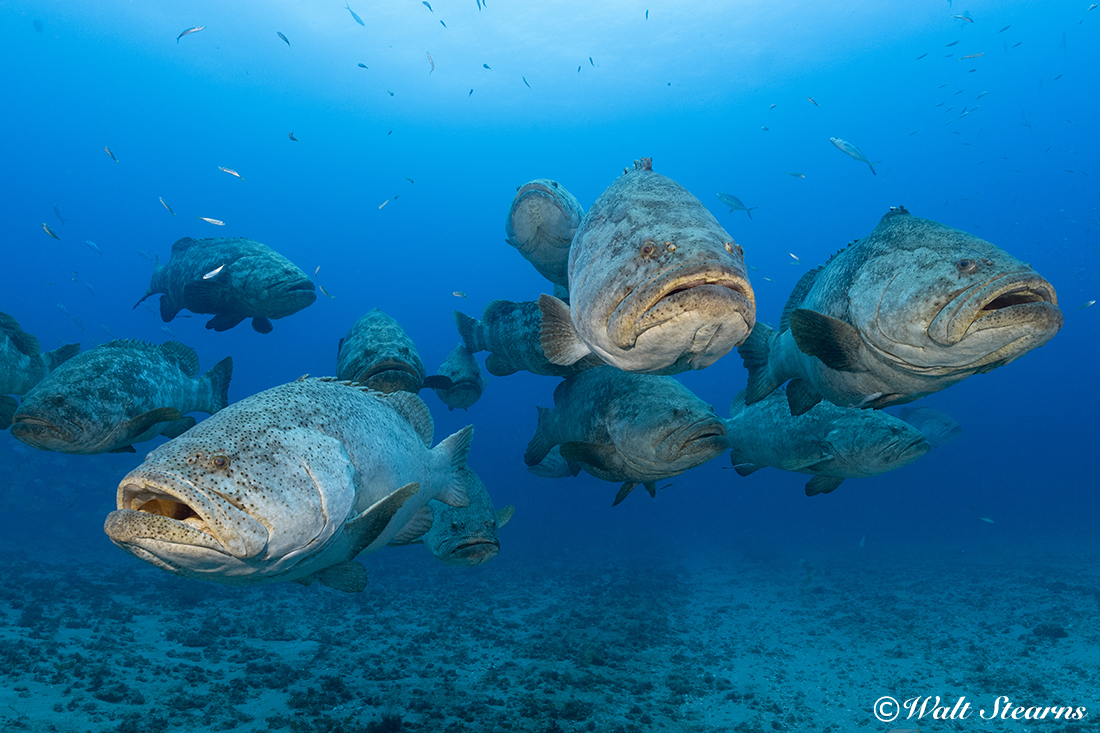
381 158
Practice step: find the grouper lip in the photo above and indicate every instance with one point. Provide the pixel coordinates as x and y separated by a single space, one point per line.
63 429
1023 293
702 436
629 319
476 543
203 515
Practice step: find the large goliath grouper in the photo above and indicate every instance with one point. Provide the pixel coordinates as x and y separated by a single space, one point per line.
232 278
912 309
656 285
290 484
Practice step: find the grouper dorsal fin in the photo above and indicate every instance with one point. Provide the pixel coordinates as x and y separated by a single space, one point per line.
181 244
798 294
822 484
413 409
182 355
836 342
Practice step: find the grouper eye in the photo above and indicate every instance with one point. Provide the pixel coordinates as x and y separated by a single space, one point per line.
966 265
219 462
647 249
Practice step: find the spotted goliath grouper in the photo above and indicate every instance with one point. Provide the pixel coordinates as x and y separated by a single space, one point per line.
290 484
467 384
118 394
231 278
656 284
22 364
541 223
511 332
828 442
914 308
466 536
634 428
379 354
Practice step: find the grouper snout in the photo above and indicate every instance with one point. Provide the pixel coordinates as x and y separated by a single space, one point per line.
173 519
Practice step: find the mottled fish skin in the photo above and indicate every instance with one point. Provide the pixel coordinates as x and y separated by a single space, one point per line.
827 441
912 309
622 426
656 284
511 333
379 354
118 394
256 283
466 536
467 384
22 363
289 484
541 223
938 428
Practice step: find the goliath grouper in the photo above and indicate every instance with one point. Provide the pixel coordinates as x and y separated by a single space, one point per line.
231 278
655 283
912 309
290 484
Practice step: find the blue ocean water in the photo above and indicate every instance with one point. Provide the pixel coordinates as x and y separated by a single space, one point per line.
717 93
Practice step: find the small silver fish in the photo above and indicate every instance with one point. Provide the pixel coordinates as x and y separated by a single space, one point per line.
214 273
353 15
1086 304
231 172
846 147
813 102
972 56
144 255
165 205
110 153
189 31
425 2
429 55
460 294
735 203
322 289
280 35
967 18
51 232
92 246
383 203
525 81
215 222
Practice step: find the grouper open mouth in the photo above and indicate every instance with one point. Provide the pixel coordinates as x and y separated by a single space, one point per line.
164 508
1022 299
718 294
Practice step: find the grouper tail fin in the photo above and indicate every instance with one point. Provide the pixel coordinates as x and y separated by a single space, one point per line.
455 448
471 332
541 443
755 353
217 381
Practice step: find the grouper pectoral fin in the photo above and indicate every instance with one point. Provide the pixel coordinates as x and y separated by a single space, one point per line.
742 464
498 366
801 464
415 530
437 381
801 397
135 426
822 484
8 407
349 577
224 321
504 515
837 343
178 428
124 449
372 522
559 338
261 324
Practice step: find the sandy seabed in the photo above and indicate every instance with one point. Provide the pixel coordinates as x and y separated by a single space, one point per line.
745 644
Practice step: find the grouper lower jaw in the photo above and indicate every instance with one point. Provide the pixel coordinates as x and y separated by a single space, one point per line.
1021 300
474 552
716 295
706 437
66 432
177 511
